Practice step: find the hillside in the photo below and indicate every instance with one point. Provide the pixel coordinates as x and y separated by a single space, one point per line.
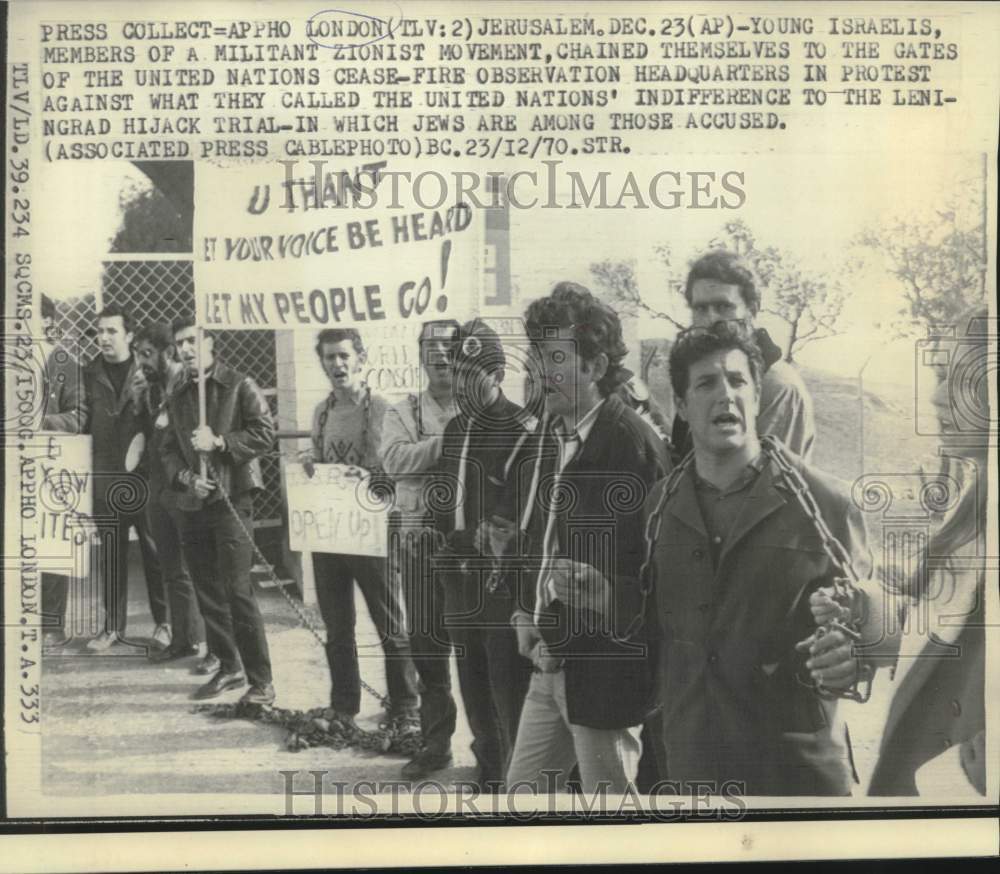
889 439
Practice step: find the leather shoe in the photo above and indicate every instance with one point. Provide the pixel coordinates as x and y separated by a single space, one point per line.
219 684
173 653
208 665
426 762
262 694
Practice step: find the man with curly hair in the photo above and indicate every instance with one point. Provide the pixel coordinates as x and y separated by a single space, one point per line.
733 559
581 481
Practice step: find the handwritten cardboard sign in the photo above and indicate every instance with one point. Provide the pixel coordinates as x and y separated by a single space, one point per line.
335 510
65 504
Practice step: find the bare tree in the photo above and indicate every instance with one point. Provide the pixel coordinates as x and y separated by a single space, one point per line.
940 261
618 286
809 302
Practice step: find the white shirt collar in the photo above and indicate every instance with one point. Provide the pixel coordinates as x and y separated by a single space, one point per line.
585 425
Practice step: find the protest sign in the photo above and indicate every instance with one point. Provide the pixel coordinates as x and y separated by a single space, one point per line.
334 248
334 510
65 503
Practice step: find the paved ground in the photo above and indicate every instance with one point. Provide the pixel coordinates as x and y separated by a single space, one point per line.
123 732
116 725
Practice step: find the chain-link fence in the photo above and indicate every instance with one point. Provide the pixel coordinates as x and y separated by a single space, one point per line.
163 290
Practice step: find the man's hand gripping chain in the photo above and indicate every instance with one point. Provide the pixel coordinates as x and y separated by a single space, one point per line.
840 607
837 608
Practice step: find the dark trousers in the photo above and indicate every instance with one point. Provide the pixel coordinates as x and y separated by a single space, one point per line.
492 674
219 556
335 576
187 626
55 593
430 644
113 562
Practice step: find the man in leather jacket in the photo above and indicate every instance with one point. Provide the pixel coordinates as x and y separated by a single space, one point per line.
218 508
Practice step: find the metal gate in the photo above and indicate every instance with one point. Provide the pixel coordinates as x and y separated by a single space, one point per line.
162 290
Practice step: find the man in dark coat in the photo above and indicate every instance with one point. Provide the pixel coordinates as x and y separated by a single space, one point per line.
412 434
217 534
734 561
581 484
160 374
470 484
934 743
120 488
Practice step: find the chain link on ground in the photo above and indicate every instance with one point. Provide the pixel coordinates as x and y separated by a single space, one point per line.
322 727
396 734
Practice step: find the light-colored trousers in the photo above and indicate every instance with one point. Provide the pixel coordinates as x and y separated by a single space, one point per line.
548 742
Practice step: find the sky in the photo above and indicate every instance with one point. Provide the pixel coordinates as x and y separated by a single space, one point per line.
809 205
77 205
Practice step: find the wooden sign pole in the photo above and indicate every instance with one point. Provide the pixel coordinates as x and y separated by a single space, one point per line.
202 398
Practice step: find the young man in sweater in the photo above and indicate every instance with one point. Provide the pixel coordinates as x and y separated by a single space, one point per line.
347 429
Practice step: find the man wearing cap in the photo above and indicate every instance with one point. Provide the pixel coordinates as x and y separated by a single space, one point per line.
412 437
472 483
